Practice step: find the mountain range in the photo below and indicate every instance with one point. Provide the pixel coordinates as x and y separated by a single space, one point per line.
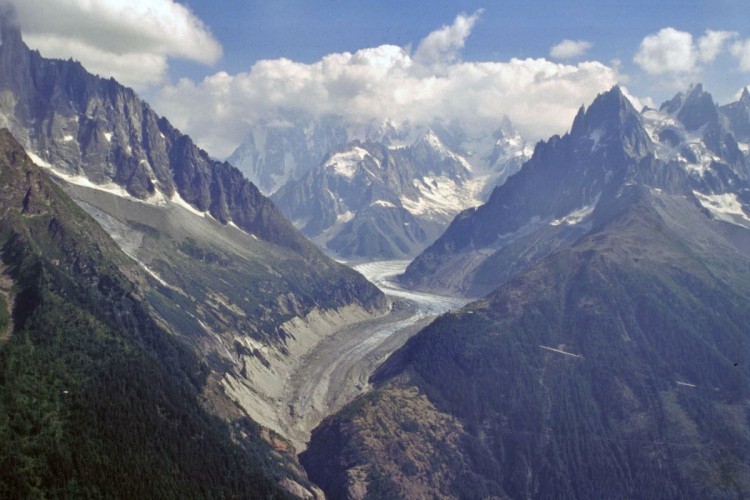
155 304
611 360
688 146
277 151
380 191
219 267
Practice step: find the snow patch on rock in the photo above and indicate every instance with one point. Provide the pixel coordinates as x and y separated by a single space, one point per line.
725 207
345 164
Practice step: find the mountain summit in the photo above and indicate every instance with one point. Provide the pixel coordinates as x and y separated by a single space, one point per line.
367 200
553 200
89 129
612 123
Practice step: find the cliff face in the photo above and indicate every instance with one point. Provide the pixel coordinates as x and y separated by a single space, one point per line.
96 128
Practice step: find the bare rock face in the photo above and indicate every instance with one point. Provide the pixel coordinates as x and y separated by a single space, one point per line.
738 115
92 127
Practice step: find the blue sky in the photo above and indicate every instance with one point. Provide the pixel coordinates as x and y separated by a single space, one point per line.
199 61
306 31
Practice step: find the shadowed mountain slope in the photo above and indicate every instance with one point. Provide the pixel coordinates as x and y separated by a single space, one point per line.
614 365
96 398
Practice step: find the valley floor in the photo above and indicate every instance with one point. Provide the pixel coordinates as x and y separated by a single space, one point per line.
337 369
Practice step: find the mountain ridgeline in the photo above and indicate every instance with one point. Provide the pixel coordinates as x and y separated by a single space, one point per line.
88 126
614 358
378 190
215 267
687 147
155 306
95 132
97 399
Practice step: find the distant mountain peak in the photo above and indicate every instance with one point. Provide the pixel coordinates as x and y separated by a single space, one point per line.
507 129
737 115
611 118
695 89
10 31
431 139
693 108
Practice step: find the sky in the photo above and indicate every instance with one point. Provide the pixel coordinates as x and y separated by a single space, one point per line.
216 68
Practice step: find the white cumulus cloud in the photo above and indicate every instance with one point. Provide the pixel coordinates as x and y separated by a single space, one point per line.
712 43
741 50
568 49
668 51
388 82
443 45
671 51
129 40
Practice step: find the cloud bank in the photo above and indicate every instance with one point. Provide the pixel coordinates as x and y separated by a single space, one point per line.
388 82
131 41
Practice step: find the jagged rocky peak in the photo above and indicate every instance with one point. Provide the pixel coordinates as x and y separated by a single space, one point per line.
737 114
89 129
506 130
612 122
281 149
13 52
430 141
693 109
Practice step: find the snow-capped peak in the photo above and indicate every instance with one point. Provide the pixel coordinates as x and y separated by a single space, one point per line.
745 97
345 163
432 140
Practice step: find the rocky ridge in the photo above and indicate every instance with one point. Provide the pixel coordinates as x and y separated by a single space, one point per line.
684 148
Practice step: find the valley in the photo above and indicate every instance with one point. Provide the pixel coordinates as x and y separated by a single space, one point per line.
413 299
338 368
